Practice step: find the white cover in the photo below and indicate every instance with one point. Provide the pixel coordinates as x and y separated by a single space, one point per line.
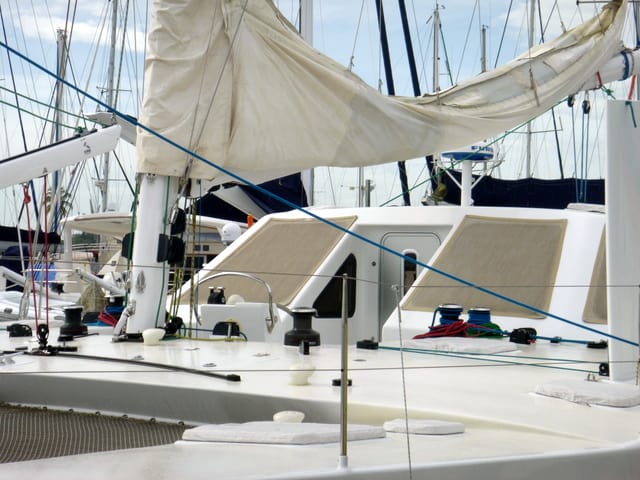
279 433
233 80
595 393
423 427
462 345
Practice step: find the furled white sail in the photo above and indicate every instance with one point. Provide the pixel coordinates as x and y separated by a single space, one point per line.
233 81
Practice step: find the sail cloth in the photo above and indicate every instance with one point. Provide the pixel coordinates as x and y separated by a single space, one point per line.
233 81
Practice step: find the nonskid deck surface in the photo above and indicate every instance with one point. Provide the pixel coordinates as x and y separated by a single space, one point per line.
490 394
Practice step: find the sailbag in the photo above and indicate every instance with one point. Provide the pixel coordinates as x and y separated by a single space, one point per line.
234 82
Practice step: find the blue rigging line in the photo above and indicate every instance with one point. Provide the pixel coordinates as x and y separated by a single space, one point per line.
315 216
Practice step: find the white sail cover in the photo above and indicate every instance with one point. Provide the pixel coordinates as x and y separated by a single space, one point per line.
233 81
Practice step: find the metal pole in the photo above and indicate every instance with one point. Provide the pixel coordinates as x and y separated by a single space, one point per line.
343 461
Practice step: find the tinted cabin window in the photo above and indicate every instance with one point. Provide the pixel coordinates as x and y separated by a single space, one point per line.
409 270
329 302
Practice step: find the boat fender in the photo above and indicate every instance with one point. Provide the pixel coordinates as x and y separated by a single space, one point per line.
235 299
288 416
152 336
523 336
299 373
229 233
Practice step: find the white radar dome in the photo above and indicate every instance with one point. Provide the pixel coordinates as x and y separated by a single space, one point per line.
230 233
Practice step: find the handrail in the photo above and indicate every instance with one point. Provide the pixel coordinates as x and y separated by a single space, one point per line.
273 318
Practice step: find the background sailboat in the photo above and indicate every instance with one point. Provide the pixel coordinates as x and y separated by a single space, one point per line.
507 28
347 31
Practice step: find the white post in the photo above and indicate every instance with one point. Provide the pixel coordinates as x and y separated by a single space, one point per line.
148 290
623 236
64 266
466 183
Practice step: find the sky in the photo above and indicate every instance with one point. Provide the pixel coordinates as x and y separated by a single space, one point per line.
346 30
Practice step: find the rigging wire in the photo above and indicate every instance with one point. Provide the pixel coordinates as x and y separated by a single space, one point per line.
22 131
13 80
207 113
418 39
504 31
466 38
493 360
543 29
355 37
122 49
35 115
398 296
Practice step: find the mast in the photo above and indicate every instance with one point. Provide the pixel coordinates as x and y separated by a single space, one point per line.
436 49
152 247
391 90
109 101
415 82
532 27
483 49
61 40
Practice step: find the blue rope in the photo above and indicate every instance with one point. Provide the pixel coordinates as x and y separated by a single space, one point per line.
310 213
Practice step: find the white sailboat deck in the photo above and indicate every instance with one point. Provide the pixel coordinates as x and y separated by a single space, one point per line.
492 395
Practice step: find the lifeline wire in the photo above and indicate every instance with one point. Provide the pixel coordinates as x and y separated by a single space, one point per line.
310 213
396 290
